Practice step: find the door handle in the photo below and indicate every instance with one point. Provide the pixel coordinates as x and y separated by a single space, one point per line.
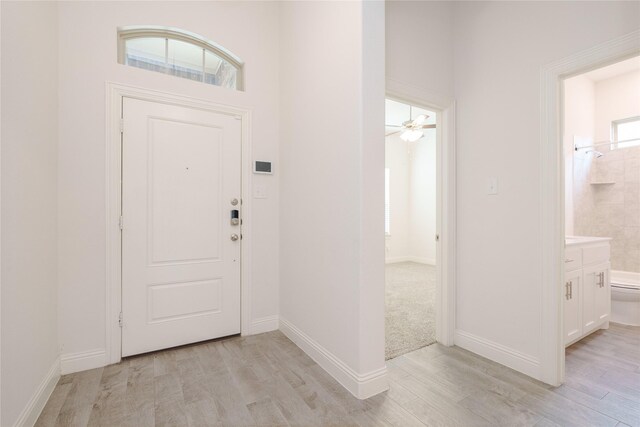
234 237
567 292
601 276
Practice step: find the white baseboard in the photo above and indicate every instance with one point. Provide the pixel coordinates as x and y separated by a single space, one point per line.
361 386
419 260
265 324
82 361
499 353
34 407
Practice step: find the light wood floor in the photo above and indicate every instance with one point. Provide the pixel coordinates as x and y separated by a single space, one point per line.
266 380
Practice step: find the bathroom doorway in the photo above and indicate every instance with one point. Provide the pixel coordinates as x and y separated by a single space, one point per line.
601 287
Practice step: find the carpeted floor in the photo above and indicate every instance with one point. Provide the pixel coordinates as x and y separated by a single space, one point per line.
410 307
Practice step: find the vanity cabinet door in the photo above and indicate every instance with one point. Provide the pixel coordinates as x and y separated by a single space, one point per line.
602 295
596 297
571 294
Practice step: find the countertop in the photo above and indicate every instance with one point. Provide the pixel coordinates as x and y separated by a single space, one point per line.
583 240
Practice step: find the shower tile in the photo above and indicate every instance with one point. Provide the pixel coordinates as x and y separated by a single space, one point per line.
611 213
632 215
609 193
632 233
607 230
631 245
612 155
632 261
631 153
632 193
609 170
632 170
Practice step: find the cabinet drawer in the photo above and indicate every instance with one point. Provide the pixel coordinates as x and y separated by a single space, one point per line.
594 254
572 259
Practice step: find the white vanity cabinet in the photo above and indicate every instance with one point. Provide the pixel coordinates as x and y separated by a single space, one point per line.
586 292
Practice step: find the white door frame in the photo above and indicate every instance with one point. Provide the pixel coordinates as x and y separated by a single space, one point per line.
552 189
445 201
114 95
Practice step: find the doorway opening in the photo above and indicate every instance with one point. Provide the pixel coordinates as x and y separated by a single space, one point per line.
411 193
601 286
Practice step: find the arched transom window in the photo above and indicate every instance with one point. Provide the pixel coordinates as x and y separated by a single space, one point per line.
179 53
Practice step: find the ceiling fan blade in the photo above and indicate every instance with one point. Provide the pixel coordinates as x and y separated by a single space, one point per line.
425 127
393 126
420 119
392 133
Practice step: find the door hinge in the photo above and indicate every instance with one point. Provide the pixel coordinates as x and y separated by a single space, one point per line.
121 125
120 222
120 319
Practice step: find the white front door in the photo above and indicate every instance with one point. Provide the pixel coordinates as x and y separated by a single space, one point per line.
180 266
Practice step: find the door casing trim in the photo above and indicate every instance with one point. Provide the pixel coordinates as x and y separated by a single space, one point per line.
115 92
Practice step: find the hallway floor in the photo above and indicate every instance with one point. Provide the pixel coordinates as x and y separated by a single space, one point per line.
266 380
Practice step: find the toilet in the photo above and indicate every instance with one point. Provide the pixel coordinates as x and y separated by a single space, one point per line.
625 298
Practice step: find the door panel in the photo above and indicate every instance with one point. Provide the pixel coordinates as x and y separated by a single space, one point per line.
180 269
185 225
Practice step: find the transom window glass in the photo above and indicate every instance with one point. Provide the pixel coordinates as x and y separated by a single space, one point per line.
179 53
626 132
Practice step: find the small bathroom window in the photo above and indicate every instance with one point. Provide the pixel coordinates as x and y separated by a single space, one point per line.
179 53
625 133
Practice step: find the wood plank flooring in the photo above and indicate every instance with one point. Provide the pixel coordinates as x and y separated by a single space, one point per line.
265 380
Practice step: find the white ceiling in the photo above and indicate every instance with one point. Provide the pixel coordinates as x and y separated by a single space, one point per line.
614 70
398 112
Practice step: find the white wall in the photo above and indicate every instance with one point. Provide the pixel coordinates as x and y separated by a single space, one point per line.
579 110
29 330
500 48
422 199
419 48
412 181
87 61
615 98
397 160
332 173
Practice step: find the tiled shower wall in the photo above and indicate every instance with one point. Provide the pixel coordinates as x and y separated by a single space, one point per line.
607 202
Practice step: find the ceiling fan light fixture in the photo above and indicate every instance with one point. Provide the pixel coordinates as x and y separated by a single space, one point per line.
411 135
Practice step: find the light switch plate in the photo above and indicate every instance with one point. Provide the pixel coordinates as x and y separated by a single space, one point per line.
492 186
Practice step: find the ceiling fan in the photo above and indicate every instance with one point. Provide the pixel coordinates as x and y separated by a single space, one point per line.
412 129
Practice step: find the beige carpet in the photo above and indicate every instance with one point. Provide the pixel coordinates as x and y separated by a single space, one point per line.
410 307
